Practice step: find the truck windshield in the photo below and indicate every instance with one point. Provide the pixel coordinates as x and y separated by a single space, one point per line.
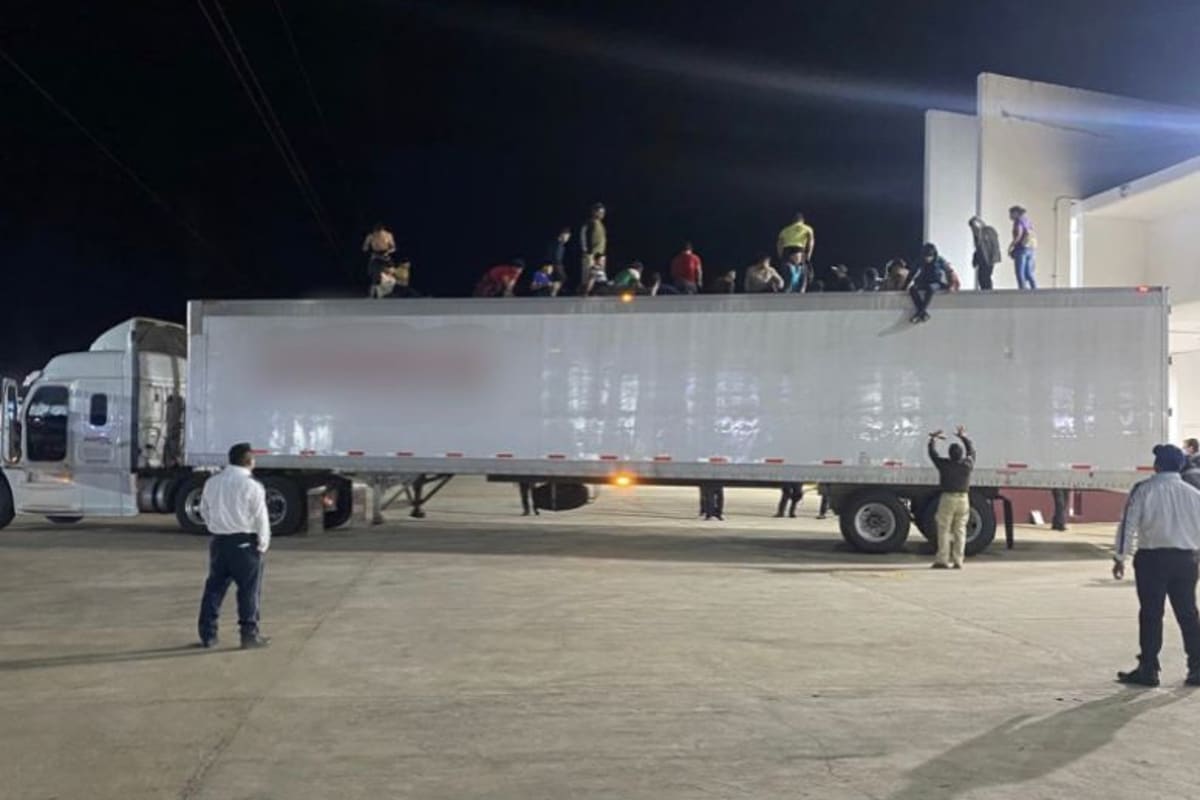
46 423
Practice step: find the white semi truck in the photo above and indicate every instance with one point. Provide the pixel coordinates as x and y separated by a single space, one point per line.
1059 389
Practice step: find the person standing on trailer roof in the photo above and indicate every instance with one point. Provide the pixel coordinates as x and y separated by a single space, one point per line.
1022 248
687 270
954 504
987 252
593 242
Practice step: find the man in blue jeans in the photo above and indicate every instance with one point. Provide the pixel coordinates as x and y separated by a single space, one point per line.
1023 246
234 508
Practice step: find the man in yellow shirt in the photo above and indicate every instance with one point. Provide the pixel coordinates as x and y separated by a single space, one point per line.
797 236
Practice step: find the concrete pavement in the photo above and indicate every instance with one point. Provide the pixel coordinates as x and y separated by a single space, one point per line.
622 651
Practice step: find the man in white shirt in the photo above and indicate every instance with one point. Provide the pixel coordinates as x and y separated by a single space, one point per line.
234 508
1162 519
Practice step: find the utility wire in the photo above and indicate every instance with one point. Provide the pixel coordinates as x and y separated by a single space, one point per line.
125 169
308 85
268 118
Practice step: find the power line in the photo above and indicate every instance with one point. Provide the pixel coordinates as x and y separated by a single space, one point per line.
312 93
266 114
125 169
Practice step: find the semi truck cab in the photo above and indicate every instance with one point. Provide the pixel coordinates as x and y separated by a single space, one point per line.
98 433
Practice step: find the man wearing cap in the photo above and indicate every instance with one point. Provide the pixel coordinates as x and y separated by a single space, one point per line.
1162 521
234 508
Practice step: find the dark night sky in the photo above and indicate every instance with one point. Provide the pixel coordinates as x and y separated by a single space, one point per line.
475 130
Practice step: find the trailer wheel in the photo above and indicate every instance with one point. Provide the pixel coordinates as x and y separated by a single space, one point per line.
7 510
875 521
59 520
285 504
343 492
187 504
981 525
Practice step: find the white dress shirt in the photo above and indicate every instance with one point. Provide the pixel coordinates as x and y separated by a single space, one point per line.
1162 512
233 502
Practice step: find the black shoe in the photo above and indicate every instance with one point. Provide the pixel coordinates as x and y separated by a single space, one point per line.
525 513
1139 677
719 517
915 318
254 642
207 644
939 565
1193 677
792 513
779 515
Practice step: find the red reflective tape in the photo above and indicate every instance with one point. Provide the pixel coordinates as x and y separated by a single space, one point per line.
504 455
454 455
718 460
773 460
308 452
404 454
661 459
355 453
1145 469
833 462
1017 465
607 457
260 452
1081 466
556 457
892 463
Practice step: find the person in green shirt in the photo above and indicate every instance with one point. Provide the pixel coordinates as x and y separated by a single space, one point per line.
630 277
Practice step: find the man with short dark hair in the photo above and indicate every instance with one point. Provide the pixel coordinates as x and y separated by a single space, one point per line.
954 505
687 270
931 277
556 254
234 509
987 252
1162 522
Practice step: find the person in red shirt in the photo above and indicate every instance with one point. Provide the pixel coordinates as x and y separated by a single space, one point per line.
501 280
687 271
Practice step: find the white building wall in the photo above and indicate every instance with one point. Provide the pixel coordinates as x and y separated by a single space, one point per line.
1040 144
951 167
1114 252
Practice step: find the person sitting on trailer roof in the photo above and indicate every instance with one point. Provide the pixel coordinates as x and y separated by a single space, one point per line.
379 245
931 277
871 280
761 277
654 285
1191 470
500 281
839 279
895 276
630 277
726 283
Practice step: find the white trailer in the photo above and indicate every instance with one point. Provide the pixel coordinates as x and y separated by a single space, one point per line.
1059 389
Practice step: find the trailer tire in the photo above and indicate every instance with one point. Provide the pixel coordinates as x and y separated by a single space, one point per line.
7 509
145 496
343 507
164 495
285 504
981 527
875 521
187 504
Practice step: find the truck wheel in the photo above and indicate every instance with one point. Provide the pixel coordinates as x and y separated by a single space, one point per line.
343 492
187 504
285 504
164 495
57 520
875 521
7 510
981 525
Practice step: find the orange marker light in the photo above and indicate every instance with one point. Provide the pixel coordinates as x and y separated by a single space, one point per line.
1143 290
627 297
623 479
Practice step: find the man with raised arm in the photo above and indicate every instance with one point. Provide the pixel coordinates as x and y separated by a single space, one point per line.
954 505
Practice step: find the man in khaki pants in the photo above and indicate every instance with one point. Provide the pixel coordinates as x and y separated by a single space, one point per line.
954 505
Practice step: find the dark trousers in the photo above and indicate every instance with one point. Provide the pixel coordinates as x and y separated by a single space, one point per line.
922 295
790 497
712 499
232 558
527 504
983 276
1059 523
1162 574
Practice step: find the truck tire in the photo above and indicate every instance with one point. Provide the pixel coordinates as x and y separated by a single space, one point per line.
875 521
981 527
7 509
145 496
164 495
187 504
285 504
343 508
58 520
